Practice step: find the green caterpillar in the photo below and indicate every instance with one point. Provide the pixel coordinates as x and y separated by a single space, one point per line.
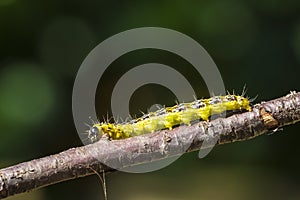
169 117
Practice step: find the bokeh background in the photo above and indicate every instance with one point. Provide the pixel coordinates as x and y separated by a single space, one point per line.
254 43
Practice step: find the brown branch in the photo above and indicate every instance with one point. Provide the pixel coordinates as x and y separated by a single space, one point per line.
85 160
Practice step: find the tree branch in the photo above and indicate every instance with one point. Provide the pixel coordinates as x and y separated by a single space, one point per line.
119 154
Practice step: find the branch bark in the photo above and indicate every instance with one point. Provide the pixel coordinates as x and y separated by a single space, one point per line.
121 154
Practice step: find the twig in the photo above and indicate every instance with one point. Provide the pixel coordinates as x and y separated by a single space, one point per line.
83 161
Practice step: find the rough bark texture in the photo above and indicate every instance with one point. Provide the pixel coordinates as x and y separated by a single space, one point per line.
119 154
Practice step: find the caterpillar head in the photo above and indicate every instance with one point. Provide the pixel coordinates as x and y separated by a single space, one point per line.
95 133
234 102
243 103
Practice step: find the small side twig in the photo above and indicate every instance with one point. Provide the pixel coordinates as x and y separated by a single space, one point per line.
83 161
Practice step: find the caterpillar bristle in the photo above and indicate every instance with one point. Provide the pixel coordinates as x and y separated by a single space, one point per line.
252 99
244 90
88 125
195 97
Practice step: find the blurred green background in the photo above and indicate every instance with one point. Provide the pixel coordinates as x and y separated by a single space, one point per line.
42 44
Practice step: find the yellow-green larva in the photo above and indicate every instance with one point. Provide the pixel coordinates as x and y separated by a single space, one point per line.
167 118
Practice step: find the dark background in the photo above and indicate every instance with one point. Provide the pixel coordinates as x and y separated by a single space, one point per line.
42 44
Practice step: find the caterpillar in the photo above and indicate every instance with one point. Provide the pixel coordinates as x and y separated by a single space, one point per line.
169 117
